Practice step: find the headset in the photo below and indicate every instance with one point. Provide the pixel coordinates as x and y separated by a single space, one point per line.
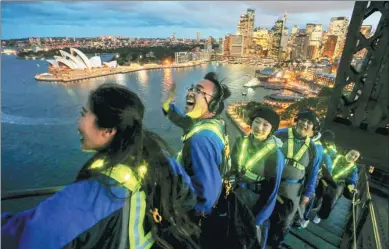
214 103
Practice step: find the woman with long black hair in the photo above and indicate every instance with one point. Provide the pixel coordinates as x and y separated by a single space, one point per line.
130 194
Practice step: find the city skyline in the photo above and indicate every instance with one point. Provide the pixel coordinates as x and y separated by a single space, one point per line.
156 19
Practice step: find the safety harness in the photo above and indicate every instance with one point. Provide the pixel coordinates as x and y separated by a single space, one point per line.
345 169
214 126
246 166
293 160
136 205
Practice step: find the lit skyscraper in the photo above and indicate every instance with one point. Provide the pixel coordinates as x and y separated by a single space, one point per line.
233 45
284 34
338 26
315 33
300 50
329 46
198 36
261 41
277 35
292 37
246 28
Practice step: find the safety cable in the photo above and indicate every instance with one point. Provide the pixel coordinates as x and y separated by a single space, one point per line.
354 220
372 216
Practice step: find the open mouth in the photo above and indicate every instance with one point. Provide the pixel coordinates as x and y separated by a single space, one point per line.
190 102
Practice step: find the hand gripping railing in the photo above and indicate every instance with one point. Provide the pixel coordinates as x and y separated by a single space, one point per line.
362 207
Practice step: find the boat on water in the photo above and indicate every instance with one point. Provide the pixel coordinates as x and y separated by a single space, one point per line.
254 82
284 97
265 73
272 87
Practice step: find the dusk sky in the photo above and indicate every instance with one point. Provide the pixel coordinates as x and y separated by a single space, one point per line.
157 19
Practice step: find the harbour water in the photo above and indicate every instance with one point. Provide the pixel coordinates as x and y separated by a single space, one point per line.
39 139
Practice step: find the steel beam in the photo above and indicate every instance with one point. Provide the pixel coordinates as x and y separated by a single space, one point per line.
360 118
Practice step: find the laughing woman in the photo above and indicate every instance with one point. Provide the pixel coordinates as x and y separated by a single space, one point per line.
258 163
130 194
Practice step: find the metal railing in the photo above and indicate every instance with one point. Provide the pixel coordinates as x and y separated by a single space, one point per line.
362 208
379 180
19 194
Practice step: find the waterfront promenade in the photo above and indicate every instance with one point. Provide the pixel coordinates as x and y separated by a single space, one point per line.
79 75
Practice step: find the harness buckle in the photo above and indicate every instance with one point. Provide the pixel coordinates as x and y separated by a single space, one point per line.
156 216
228 187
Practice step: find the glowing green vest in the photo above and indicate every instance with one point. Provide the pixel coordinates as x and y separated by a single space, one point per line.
126 177
246 165
214 126
337 171
295 158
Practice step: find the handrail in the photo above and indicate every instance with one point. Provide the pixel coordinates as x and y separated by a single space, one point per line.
372 216
362 207
29 193
354 220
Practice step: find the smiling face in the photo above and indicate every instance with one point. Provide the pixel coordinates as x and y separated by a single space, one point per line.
304 127
260 128
352 156
198 96
92 137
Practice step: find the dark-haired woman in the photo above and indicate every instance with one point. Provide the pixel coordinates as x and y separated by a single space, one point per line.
258 162
130 194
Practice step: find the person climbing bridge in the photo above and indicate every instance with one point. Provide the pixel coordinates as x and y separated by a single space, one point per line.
257 163
340 178
298 177
130 194
325 144
205 150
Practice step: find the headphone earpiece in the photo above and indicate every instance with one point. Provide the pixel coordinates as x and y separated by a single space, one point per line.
213 105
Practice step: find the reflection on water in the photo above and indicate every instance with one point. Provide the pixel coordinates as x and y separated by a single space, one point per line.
120 79
143 77
73 95
48 139
167 79
251 94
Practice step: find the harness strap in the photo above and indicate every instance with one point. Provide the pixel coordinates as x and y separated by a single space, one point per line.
214 127
296 158
204 126
243 151
344 171
137 207
246 167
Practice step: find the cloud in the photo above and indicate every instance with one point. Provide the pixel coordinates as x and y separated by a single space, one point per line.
176 16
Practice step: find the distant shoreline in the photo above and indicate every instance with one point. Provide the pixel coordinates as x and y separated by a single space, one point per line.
118 70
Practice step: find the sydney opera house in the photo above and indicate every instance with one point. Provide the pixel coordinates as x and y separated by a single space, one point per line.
78 60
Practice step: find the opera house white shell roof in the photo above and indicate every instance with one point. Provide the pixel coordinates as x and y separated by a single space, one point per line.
78 60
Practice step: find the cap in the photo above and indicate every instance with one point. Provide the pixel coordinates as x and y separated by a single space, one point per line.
266 113
328 136
311 116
